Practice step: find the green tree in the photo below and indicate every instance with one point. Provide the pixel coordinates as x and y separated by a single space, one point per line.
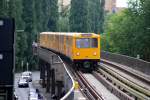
100 26
28 18
3 8
122 36
96 15
38 15
7 8
129 30
45 14
53 15
21 47
11 8
144 36
92 15
63 22
78 19
21 43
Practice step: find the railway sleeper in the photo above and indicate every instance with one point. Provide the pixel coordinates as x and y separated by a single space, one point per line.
112 88
127 82
128 89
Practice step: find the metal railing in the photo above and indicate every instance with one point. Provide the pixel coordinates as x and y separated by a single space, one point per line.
68 95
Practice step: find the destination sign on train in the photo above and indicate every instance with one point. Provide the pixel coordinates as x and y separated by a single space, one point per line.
86 35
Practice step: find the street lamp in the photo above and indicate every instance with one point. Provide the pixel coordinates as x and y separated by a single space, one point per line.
27 66
22 62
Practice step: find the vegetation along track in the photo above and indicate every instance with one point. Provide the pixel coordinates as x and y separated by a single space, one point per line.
131 87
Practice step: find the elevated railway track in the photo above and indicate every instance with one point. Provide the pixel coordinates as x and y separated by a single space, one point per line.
136 74
85 87
128 82
125 83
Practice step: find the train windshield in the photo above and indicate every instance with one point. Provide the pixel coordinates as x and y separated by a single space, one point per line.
87 43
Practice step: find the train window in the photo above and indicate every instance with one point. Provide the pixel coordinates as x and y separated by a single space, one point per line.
86 43
82 43
94 43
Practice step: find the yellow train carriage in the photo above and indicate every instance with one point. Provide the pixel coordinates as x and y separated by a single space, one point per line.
82 48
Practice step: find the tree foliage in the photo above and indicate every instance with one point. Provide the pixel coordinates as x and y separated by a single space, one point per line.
3 8
53 15
96 15
78 19
28 18
31 17
63 22
38 15
129 30
21 43
45 14
87 16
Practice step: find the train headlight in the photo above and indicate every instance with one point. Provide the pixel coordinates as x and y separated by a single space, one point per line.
94 53
77 53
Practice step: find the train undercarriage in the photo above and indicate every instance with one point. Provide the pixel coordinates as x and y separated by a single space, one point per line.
86 65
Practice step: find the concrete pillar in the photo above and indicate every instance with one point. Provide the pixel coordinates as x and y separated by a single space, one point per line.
42 71
43 75
40 67
59 89
48 67
53 82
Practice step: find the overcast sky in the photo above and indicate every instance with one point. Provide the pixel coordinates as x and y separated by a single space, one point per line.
121 3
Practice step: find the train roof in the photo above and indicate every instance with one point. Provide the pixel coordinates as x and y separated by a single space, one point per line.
68 33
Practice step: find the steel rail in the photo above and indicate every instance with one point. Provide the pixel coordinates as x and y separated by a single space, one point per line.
82 86
128 82
115 90
84 89
95 94
144 78
125 87
87 90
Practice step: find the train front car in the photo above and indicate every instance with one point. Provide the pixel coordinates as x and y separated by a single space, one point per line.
86 51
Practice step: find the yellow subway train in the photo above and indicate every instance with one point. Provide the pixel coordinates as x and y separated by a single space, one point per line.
82 48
